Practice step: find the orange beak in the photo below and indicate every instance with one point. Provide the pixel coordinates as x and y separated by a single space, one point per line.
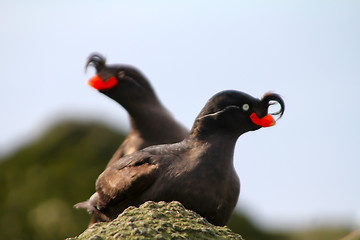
266 121
97 83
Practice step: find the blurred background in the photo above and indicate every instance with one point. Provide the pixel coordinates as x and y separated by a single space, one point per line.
300 179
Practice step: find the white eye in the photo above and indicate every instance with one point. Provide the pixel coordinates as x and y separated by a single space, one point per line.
121 74
245 107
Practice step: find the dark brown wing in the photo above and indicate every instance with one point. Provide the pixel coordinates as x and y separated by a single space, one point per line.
126 178
131 144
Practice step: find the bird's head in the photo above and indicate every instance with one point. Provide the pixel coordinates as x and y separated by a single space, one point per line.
119 82
234 112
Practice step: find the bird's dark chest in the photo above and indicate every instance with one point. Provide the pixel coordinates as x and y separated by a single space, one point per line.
211 191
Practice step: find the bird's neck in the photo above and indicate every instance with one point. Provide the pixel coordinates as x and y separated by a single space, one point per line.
151 121
216 149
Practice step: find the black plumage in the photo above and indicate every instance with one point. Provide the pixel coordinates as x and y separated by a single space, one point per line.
150 122
197 171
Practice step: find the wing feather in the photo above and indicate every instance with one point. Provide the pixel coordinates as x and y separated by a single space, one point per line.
122 180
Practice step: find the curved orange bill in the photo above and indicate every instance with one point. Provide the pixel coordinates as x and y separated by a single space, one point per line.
266 121
97 83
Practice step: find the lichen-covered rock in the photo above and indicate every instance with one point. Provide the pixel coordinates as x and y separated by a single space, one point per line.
159 221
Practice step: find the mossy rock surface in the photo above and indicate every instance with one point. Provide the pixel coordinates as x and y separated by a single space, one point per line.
157 221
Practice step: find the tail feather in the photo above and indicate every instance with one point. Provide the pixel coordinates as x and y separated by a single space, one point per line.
89 205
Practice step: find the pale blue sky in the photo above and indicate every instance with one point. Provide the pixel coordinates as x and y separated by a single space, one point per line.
303 171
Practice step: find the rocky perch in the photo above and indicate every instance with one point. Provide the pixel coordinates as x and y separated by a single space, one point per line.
159 221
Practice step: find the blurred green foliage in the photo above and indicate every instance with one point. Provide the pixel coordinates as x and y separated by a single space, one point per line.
42 181
242 224
325 233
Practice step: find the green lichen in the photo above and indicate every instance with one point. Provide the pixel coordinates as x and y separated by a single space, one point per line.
159 221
